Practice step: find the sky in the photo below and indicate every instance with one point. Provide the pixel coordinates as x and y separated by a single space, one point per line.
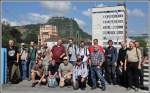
23 13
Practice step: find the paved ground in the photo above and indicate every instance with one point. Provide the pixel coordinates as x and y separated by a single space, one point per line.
25 87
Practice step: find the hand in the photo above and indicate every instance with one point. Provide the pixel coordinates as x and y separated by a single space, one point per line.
121 63
98 66
125 68
115 64
65 76
39 82
139 66
82 80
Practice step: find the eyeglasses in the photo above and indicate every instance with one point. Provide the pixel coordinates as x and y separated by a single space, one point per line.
65 59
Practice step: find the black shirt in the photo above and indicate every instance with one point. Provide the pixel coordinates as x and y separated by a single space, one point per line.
12 53
111 55
53 69
145 52
122 54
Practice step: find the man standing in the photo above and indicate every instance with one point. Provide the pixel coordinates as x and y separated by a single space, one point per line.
132 64
46 55
83 52
65 72
111 63
121 73
31 57
72 52
96 60
23 60
141 74
58 52
13 59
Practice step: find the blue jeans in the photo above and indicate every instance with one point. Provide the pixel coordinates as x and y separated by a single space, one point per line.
97 72
31 64
24 69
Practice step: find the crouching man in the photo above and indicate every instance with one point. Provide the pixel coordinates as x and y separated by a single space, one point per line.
65 72
38 72
80 74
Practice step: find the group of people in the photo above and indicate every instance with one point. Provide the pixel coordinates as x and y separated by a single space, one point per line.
77 65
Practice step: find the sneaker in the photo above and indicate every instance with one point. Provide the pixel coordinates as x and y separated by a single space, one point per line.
33 84
136 89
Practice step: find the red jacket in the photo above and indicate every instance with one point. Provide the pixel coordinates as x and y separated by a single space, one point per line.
101 49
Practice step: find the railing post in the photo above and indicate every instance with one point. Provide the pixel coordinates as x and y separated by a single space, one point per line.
3 66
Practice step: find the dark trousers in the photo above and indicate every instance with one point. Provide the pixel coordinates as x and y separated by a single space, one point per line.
141 75
67 82
78 84
121 78
132 73
9 67
110 74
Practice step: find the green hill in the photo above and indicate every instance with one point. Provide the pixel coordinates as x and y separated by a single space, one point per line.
66 27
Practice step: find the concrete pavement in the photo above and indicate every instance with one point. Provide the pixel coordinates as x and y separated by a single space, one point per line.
25 87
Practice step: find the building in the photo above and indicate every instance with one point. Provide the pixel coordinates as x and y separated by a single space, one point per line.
109 23
47 33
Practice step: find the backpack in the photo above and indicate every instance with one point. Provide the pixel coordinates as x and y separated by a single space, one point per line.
52 83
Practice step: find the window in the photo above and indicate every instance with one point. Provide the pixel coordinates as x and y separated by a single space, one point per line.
115 43
120 27
120 32
104 38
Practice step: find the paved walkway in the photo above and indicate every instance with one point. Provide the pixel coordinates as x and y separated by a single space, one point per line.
25 87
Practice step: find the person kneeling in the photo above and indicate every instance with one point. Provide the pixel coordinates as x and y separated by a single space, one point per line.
80 74
52 69
65 72
38 71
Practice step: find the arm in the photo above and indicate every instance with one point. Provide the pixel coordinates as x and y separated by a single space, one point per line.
55 74
64 52
144 60
17 57
140 58
102 59
59 71
125 64
42 78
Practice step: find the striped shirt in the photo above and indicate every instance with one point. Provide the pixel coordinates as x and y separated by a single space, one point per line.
80 71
